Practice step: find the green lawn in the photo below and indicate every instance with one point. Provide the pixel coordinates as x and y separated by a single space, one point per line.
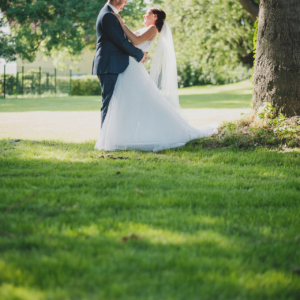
207 224
237 95
193 223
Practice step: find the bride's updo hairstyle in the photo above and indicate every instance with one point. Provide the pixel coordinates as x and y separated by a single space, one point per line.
161 16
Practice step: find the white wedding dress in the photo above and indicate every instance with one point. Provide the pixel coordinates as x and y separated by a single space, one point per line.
140 118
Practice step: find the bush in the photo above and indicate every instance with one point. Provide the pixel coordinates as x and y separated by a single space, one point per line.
189 75
10 84
85 86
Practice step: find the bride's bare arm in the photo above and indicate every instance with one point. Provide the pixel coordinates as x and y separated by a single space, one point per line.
149 34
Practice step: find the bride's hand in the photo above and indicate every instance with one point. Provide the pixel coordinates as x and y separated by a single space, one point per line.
119 18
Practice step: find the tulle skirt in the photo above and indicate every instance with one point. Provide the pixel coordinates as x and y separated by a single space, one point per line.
140 118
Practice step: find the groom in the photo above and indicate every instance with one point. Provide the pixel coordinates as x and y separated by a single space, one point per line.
112 51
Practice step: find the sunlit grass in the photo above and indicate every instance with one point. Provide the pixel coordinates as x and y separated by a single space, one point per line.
179 224
243 87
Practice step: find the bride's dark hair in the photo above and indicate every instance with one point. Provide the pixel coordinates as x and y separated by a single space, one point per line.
161 16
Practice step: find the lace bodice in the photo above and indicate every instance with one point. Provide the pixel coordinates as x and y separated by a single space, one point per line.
146 46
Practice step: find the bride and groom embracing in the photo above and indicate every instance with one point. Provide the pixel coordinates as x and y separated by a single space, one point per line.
140 111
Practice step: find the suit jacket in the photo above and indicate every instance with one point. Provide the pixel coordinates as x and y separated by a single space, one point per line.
113 48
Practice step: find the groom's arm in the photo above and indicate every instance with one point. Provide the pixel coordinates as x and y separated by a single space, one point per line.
111 26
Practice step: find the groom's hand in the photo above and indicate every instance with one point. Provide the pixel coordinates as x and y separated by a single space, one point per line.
145 57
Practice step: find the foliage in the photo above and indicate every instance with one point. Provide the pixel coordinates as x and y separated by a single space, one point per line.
189 75
255 38
222 223
263 129
266 111
10 45
10 84
85 85
52 26
6 51
210 37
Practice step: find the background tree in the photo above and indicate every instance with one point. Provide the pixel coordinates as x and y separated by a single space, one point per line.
277 63
66 26
251 7
213 40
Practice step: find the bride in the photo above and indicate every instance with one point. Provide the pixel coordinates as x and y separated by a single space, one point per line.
144 112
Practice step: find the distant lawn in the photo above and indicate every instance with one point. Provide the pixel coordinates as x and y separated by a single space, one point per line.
206 224
237 95
75 103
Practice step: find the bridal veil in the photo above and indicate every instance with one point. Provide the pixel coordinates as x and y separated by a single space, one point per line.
164 69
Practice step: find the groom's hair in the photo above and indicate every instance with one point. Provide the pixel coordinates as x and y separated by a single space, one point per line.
161 16
112 1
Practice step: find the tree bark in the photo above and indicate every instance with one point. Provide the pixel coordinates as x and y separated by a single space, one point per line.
277 63
251 7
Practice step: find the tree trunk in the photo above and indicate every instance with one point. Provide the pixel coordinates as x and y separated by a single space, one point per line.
251 7
277 62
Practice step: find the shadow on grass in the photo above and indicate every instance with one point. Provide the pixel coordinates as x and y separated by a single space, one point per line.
219 224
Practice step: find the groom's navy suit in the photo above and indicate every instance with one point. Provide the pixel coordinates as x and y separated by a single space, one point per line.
112 54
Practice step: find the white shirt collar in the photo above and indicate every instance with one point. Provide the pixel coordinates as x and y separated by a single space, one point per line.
113 8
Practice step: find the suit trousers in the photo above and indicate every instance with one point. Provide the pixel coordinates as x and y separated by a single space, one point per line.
107 82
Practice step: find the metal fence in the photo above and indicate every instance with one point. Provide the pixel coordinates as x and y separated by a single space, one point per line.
40 81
